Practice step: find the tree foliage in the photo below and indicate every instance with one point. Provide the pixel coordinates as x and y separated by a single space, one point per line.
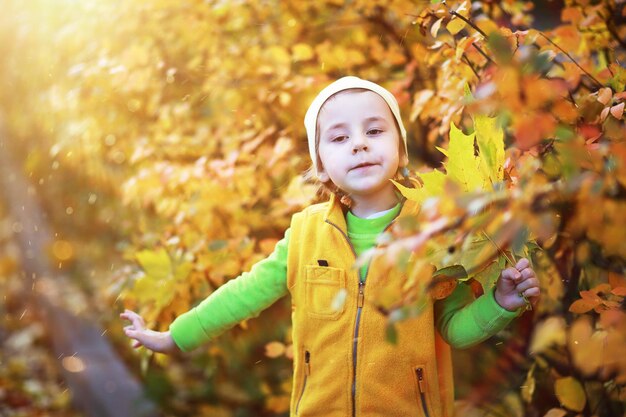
178 127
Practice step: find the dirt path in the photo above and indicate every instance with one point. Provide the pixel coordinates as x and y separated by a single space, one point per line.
100 383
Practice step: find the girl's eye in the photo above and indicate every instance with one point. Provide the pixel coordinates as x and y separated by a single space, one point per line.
374 132
338 138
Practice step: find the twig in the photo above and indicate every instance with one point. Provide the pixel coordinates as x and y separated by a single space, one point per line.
483 53
572 59
476 28
468 62
466 20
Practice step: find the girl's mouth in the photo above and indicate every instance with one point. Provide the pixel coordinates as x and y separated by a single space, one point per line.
362 165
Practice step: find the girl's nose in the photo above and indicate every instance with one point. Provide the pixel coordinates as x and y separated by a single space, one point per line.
358 144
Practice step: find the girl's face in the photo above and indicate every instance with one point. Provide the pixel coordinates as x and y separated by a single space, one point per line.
358 143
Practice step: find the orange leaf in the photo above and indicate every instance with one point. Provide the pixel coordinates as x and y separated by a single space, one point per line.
604 114
274 349
572 74
605 95
604 288
532 128
621 291
590 296
555 412
565 111
618 111
571 14
582 306
463 45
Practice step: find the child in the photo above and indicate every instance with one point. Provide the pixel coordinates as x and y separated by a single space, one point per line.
343 364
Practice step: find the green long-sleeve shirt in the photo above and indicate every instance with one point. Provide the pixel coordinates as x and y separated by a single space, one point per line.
461 320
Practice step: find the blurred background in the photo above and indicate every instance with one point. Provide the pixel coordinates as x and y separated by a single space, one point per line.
150 151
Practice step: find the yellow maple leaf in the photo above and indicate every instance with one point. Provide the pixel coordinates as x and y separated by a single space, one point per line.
490 139
462 165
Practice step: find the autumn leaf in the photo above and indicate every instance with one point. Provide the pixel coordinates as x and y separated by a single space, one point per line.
582 306
617 111
570 393
462 166
302 52
435 27
621 291
556 412
490 139
605 95
548 333
433 183
274 349
455 25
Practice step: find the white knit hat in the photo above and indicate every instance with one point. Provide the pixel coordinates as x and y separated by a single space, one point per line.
346 83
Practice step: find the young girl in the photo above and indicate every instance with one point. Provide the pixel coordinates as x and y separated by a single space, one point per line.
343 364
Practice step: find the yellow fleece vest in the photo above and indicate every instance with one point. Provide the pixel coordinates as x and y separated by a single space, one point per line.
411 378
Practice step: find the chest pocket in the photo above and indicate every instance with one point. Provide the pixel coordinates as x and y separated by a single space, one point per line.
325 291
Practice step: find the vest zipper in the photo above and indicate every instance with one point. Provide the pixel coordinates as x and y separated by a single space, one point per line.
422 388
307 372
360 303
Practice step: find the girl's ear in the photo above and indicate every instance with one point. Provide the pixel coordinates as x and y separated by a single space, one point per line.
322 175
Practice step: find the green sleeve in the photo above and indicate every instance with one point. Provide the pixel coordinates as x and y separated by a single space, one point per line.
239 299
464 322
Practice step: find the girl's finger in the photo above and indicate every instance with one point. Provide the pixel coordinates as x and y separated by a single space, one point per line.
137 345
511 274
522 264
527 273
136 320
531 292
529 283
128 314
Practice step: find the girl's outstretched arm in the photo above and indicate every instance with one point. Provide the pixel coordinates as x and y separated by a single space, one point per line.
156 341
464 322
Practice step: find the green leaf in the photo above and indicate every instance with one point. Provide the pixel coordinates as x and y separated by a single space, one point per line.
489 275
518 246
392 334
453 271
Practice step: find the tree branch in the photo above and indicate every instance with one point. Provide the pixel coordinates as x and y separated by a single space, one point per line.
572 59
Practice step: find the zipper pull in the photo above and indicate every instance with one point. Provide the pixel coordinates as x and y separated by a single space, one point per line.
420 380
307 363
361 299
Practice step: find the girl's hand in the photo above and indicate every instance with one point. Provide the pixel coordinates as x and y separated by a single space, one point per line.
156 341
516 283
